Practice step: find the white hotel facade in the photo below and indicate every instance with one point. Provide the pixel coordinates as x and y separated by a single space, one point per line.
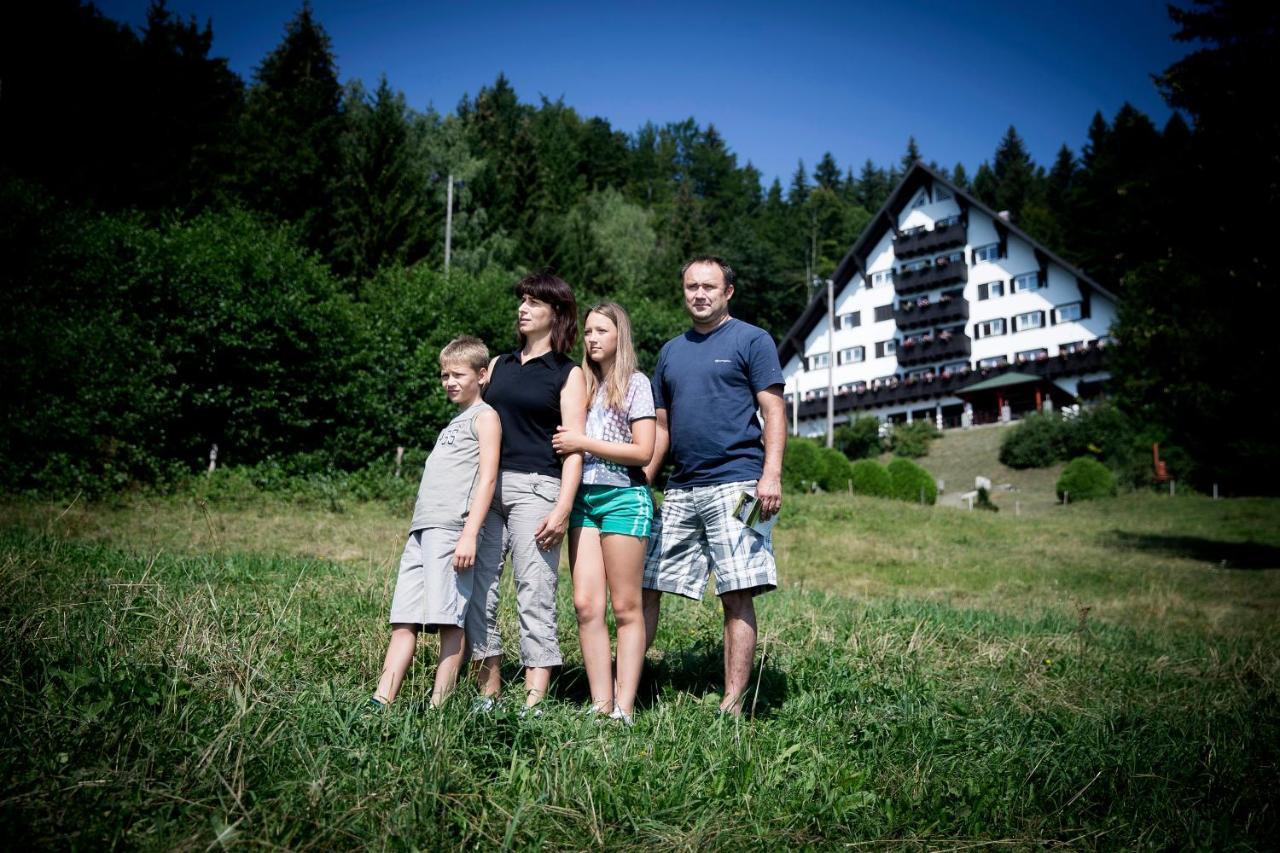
946 310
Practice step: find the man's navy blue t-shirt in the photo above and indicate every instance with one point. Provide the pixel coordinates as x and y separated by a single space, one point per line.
708 385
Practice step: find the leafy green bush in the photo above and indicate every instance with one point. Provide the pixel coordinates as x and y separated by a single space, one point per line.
1035 442
870 478
909 481
1086 479
140 347
802 464
860 439
837 471
912 439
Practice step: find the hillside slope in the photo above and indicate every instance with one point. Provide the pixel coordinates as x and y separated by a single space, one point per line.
960 455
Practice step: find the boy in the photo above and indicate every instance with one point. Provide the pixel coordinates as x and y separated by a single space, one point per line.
451 530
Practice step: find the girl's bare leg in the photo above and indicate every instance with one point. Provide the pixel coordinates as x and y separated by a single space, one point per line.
587 562
624 568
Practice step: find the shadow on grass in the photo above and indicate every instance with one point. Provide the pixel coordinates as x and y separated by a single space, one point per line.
1228 555
699 671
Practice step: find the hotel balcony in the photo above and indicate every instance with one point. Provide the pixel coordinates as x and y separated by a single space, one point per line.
946 383
922 241
933 348
938 275
897 392
910 314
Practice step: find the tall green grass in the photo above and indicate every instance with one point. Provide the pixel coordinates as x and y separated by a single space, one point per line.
160 699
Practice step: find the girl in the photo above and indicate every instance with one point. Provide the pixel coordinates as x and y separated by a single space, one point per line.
612 513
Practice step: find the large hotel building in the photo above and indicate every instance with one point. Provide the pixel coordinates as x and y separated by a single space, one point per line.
944 309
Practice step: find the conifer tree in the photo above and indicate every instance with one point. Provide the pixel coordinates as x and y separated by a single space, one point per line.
911 155
289 135
380 196
827 173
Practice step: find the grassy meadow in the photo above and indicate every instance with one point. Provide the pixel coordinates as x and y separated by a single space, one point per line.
181 673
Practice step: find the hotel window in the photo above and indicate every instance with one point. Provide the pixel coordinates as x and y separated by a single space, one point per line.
989 252
921 200
994 361
956 366
1027 281
851 320
1029 320
912 266
950 258
852 355
919 373
819 360
1066 313
989 329
990 290
882 277
1032 354
941 194
884 312
886 348
1074 346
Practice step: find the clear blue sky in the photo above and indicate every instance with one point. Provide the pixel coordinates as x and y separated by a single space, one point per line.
782 81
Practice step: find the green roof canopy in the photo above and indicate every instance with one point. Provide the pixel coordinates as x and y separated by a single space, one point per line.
1004 380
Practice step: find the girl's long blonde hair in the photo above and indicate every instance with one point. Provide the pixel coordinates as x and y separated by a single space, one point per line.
624 361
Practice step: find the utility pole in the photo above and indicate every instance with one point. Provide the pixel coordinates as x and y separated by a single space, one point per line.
831 365
448 224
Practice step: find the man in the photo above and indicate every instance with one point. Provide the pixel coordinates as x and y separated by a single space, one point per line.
707 386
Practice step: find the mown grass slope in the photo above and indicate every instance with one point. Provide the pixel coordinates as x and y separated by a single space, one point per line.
1101 675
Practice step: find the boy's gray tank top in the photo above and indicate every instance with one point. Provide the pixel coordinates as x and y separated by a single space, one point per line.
449 477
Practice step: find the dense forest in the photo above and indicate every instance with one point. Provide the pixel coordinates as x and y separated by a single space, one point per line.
192 259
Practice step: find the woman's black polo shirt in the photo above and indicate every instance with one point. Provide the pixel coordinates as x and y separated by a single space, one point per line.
527 400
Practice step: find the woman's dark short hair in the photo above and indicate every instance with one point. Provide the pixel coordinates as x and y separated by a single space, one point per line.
730 277
553 290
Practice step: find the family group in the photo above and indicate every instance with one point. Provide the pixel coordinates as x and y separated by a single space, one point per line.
543 448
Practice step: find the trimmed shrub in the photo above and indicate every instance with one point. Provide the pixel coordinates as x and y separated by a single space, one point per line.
1036 442
1086 479
870 478
802 465
837 471
912 440
909 481
860 439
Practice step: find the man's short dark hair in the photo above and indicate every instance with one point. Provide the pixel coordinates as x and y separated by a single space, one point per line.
730 277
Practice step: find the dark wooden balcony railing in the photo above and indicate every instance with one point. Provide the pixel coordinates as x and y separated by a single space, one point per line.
935 348
938 275
911 315
923 241
1089 359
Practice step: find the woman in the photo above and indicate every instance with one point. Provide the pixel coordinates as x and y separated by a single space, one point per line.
612 514
534 389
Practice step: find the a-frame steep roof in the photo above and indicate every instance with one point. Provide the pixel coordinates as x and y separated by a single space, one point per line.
886 219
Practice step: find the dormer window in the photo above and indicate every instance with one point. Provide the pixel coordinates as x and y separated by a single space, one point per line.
941 194
989 252
1066 313
1027 281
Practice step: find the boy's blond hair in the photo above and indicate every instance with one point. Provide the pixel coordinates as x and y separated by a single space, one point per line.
467 350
